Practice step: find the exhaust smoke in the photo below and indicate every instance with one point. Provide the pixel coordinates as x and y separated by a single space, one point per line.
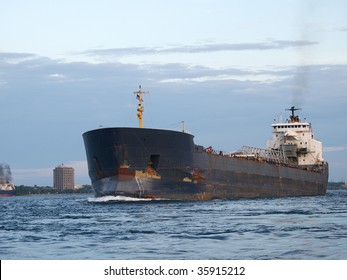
5 174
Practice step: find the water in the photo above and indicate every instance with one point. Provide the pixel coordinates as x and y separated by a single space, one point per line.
83 227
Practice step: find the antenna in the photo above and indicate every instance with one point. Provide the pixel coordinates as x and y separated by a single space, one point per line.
293 117
183 126
140 108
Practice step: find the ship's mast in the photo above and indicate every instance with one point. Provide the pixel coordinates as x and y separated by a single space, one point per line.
140 108
183 126
293 118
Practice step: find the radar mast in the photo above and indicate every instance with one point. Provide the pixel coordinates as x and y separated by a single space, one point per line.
140 108
293 118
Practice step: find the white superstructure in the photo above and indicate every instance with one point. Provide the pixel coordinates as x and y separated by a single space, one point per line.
296 140
6 187
5 178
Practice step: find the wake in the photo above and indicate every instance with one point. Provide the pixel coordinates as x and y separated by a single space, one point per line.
120 198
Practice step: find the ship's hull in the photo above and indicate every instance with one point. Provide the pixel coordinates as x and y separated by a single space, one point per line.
166 164
7 192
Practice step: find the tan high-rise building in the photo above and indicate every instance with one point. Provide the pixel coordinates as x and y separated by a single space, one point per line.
63 177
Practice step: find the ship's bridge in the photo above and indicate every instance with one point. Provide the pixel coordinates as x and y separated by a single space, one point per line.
297 126
295 138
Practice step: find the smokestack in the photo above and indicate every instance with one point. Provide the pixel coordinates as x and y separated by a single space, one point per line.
5 174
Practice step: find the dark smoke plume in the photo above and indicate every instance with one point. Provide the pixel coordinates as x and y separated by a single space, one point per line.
305 54
5 173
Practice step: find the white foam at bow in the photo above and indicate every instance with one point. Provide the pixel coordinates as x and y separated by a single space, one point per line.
117 198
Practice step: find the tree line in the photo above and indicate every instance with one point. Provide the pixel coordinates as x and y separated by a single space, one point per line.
29 190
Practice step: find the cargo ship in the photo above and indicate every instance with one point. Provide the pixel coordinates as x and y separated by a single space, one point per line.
6 187
158 163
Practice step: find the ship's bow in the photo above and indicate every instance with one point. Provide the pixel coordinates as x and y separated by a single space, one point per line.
137 161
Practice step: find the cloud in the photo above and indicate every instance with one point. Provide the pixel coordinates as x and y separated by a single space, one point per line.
51 77
16 57
50 103
57 76
254 77
204 48
9 55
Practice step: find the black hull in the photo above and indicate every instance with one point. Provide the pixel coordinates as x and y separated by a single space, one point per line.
154 163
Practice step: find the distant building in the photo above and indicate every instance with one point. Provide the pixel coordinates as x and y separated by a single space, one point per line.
63 177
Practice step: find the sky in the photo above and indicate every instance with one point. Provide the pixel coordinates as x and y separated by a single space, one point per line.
227 68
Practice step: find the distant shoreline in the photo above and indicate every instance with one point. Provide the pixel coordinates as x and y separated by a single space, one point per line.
337 186
36 190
